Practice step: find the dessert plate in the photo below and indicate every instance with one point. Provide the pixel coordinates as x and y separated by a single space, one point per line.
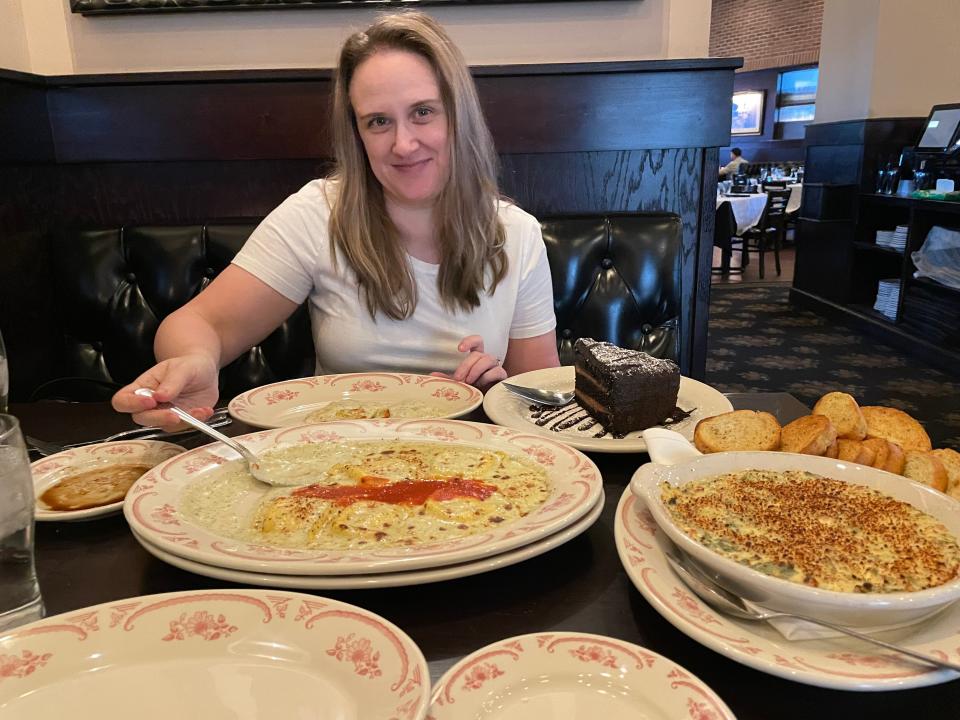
397 579
506 409
52 469
152 503
561 675
290 402
213 654
840 663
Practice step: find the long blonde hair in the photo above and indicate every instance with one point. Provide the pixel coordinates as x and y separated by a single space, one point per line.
471 236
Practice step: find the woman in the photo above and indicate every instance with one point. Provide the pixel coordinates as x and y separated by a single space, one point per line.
409 258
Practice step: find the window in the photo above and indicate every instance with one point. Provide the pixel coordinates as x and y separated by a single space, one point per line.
795 113
796 95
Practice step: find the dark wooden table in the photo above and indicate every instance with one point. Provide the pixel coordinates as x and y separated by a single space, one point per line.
579 586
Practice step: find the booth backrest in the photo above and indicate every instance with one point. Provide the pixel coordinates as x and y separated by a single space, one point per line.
615 277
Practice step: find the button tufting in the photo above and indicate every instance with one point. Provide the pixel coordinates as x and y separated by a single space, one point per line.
647 328
568 333
131 277
209 272
606 263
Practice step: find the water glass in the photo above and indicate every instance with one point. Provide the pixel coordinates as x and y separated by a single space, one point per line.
4 377
20 600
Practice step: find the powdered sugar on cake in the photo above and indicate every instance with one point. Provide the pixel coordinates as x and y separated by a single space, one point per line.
624 361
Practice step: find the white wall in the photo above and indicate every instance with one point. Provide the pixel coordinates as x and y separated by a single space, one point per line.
14 53
887 58
61 42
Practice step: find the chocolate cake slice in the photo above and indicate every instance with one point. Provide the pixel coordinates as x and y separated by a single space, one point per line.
625 390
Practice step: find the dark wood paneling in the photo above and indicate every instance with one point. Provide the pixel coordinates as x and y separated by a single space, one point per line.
24 125
707 215
872 131
196 121
835 164
662 180
585 112
596 112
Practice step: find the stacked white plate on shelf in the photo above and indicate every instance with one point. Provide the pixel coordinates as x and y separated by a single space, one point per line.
888 295
893 239
154 510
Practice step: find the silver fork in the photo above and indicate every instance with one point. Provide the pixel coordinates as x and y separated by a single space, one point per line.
544 397
725 601
45 447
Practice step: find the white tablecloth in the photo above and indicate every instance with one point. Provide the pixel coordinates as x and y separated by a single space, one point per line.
796 195
746 210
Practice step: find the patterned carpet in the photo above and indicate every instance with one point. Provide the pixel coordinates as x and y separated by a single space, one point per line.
758 342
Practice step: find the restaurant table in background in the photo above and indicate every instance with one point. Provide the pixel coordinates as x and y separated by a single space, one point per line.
580 586
747 209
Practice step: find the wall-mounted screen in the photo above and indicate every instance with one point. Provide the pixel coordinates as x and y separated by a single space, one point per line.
940 133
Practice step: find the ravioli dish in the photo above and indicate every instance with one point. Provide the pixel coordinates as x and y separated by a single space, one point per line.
358 494
808 529
355 410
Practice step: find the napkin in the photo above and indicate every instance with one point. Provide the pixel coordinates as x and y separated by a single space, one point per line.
794 629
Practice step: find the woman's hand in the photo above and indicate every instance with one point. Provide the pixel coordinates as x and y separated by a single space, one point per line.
189 381
478 368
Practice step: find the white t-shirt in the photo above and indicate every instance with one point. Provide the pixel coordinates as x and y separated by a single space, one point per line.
290 252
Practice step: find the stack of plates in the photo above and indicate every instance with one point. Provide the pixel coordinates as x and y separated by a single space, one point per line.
153 509
895 239
888 295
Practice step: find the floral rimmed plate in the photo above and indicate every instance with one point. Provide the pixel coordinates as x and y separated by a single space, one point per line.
152 503
396 579
51 470
506 409
213 655
564 675
841 663
289 402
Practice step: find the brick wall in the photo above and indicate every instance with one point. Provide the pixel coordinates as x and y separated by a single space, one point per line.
767 33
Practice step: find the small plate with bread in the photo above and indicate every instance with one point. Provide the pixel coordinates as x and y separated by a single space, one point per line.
838 427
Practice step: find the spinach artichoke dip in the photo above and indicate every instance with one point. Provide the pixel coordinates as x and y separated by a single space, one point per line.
808 529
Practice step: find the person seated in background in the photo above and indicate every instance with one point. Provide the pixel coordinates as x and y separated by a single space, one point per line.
409 256
736 160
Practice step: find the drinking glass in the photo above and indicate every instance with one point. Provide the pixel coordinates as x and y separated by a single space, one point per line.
20 600
4 377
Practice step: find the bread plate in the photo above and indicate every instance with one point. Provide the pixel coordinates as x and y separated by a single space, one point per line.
53 469
845 608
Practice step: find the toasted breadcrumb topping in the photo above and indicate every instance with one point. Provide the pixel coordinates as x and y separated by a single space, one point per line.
813 530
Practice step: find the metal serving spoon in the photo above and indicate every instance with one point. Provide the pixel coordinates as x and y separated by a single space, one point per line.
725 601
252 461
544 397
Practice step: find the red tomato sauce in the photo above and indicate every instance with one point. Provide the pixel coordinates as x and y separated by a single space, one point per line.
403 492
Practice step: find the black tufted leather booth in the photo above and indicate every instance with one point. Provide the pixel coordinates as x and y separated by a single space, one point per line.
114 287
615 277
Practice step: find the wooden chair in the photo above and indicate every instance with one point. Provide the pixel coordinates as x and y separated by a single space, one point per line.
769 232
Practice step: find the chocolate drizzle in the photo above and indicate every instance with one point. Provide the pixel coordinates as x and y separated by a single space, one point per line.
567 416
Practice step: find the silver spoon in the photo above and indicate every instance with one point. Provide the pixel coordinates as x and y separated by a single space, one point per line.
252 461
725 601
544 397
